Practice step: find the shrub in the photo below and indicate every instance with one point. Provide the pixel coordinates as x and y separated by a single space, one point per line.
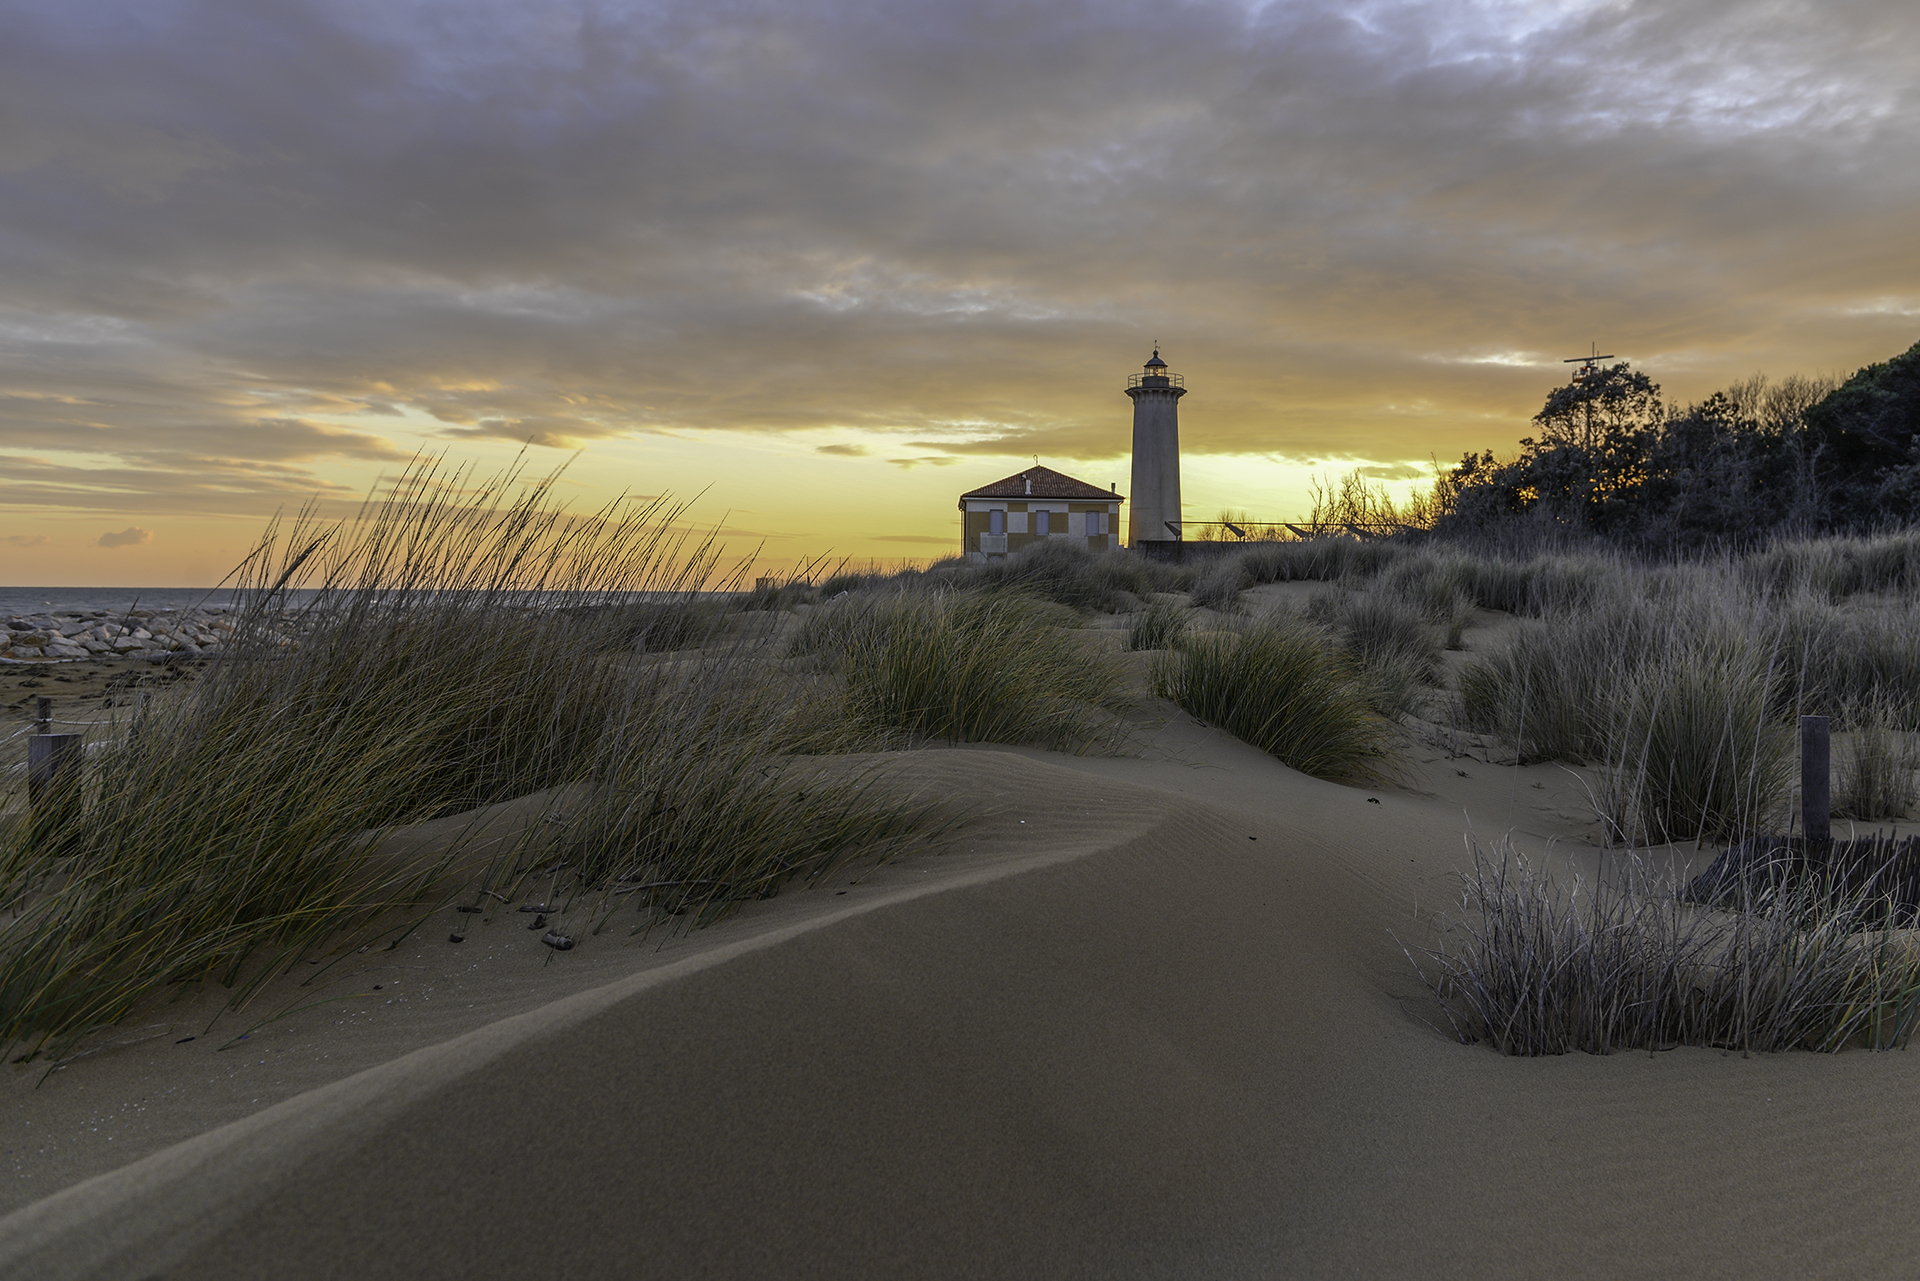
1284 687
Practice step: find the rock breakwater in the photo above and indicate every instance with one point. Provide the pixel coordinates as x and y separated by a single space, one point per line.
98 634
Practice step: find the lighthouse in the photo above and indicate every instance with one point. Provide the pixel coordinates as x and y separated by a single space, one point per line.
1154 515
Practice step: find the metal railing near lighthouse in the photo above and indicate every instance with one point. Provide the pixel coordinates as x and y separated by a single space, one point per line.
1201 539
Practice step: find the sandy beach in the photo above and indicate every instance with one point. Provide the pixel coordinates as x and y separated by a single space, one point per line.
1032 642
1147 1015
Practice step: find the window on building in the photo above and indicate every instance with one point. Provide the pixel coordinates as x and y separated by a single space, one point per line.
1040 522
997 521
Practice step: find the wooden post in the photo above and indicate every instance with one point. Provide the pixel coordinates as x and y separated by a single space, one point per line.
50 756
51 759
1816 795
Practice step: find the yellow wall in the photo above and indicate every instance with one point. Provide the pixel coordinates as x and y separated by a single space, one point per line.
976 523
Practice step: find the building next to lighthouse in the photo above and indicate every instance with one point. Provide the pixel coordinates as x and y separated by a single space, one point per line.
1154 516
1010 515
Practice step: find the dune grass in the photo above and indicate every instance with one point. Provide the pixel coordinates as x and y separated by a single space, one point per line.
1537 966
1391 640
460 647
1161 625
1058 570
1834 569
1285 687
696 802
970 666
1875 775
1218 585
1693 749
470 642
1682 683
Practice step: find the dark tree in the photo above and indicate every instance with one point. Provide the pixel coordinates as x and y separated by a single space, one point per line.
1866 441
1758 459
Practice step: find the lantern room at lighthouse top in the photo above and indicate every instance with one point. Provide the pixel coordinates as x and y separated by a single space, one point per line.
1155 374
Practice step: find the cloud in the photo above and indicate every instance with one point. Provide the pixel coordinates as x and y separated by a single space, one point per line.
934 461
131 536
247 249
843 451
26 540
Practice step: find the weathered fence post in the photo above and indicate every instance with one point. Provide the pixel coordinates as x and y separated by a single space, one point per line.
50 756
51 760
1816 795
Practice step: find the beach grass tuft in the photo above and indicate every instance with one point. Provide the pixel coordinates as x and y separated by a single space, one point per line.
1536 965
1876 775
1284 686
1161 625
1060 571
1218 586
1693 749
968 666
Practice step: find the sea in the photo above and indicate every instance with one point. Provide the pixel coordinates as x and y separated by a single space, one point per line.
24 601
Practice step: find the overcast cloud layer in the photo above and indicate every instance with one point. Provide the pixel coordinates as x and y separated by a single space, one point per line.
243 242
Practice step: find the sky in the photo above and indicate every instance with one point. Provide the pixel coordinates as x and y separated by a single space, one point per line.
822 267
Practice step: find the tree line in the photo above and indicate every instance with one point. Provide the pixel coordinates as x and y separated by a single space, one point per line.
1800 456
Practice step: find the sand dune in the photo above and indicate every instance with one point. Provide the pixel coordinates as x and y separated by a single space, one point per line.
1144 1019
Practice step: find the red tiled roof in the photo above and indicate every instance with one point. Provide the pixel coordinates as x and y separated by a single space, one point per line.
1046 483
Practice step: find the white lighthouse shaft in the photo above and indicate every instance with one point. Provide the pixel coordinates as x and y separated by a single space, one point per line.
1154 506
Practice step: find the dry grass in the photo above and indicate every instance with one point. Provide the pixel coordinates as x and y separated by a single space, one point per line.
1065 573
1533 966
1285 687
461 647
1876 771
1391 641
1683 682
973 666
1161 625
1693 751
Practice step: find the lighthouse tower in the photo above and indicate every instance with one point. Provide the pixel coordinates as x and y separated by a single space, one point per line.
1154 513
